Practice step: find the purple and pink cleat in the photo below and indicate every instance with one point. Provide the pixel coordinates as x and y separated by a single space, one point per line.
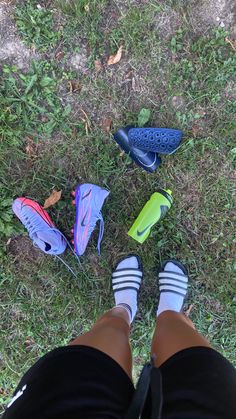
41 229
88 199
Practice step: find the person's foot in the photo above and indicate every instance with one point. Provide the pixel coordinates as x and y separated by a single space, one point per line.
40 227
173 284
126 282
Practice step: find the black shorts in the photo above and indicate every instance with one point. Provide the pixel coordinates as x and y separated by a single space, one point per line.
77 382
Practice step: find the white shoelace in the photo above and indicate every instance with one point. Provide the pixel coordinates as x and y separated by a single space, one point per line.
33 226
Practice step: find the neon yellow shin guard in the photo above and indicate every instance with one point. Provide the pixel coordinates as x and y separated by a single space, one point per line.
155 209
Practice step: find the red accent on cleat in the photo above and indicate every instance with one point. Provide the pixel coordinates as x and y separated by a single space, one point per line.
37 208
72 241
73 202
72 231
73 193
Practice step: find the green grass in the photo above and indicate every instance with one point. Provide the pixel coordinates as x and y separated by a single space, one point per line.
84 18
201 73
36 25
42 305
31 102
134 29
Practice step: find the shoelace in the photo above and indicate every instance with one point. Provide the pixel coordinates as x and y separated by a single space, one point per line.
101 232
33 226
76 256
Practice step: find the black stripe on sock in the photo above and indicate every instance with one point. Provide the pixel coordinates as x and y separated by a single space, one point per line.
172 285
173 279
123 282
125 276
127 306
130 269
173 292
125 288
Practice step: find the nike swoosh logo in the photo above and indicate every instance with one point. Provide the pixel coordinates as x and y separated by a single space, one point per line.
140 233
86 195
83 224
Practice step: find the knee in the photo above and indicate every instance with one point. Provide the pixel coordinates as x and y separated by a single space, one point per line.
112 323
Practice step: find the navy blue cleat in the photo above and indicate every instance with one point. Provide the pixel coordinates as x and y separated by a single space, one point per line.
148 160
155 140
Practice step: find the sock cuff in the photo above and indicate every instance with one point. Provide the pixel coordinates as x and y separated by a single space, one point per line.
128 309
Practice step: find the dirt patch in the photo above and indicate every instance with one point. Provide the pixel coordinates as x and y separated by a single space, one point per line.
179 103
23 251
230 90
12 49
206 14
190 197
167 23
97 105
16 314
79 61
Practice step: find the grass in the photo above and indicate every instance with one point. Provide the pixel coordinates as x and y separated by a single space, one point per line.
84 17
45 143
35 24
31 99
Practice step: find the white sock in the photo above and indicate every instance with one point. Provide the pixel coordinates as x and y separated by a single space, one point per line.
126 280
173 285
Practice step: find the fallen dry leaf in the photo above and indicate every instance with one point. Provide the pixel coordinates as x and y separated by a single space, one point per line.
114 59
29 150
189 309
43 118
86 121
98 65
106 124
231 42
74 86
29 344
201 112
4 392
195 130
86 128
133 83
129 75
59 55
52 199
31 147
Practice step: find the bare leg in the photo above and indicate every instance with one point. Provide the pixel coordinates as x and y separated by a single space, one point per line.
173 333
110 334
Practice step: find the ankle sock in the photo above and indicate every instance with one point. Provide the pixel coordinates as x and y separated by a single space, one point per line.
173 283
126 281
